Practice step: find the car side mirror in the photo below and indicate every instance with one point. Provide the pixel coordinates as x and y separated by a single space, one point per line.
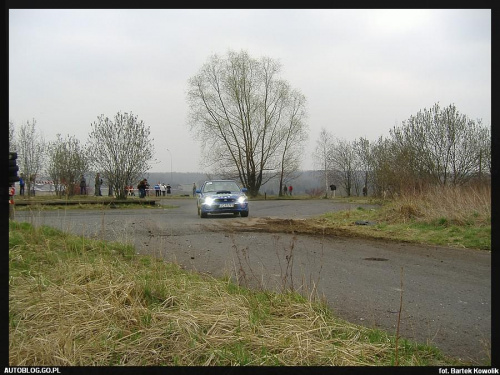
244 190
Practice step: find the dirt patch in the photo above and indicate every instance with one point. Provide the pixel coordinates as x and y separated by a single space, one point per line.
279 225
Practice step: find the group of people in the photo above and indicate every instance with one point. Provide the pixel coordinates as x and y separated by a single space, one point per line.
287 190
22 184
161 189
143 187
97 185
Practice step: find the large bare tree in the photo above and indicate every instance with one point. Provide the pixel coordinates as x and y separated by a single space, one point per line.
31 153
120 149
242 111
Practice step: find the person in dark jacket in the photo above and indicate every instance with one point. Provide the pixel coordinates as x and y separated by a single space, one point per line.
21 184
83 186
98 183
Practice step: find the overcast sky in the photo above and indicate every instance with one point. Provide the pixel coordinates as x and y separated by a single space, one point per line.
362 71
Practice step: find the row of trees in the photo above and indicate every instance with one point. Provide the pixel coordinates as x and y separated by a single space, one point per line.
120 149
251 125
437 146
249 120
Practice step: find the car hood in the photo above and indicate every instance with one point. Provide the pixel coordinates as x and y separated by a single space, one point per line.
223 194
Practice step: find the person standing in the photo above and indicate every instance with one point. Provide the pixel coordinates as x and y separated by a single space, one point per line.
194 189
168 189
142 188
21 184
157 189
83 185
163 188
290 188
98 183
285 190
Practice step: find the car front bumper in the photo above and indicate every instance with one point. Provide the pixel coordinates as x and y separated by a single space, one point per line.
220 209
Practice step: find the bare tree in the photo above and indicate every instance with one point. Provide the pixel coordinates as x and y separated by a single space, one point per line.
345 162
240 110
12 137
484 140
440 146
294 135
67 161
31 153
363 150
323 156
385 169
120 148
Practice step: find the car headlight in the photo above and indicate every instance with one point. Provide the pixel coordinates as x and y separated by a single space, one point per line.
242 200
209 201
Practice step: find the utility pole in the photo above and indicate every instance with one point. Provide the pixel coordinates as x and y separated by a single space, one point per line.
171 179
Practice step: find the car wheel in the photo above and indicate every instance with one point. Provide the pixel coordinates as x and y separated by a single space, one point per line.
203 214
244 213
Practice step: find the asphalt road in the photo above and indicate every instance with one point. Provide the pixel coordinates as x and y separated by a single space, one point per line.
446 292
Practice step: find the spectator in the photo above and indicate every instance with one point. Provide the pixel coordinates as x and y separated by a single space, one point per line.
98 183
83 185
142 188
157 189
285 190
163 188
194 189
290 188
147 186
21 184
168 188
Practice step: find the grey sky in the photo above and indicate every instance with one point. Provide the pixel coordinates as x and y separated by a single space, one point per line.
362 71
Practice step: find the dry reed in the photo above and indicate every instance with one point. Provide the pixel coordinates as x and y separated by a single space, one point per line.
456 204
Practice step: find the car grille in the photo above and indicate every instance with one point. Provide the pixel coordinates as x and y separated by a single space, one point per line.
224 200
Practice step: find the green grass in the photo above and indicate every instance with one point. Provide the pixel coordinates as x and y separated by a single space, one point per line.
80 302
402 222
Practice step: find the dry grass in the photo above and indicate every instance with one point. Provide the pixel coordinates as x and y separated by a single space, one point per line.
459 205
77 302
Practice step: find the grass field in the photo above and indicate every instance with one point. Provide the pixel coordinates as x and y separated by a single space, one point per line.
80 302
454 217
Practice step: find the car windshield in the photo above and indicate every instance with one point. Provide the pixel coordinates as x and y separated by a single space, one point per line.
215 186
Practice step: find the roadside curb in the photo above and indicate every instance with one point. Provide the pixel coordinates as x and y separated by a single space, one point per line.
148 202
